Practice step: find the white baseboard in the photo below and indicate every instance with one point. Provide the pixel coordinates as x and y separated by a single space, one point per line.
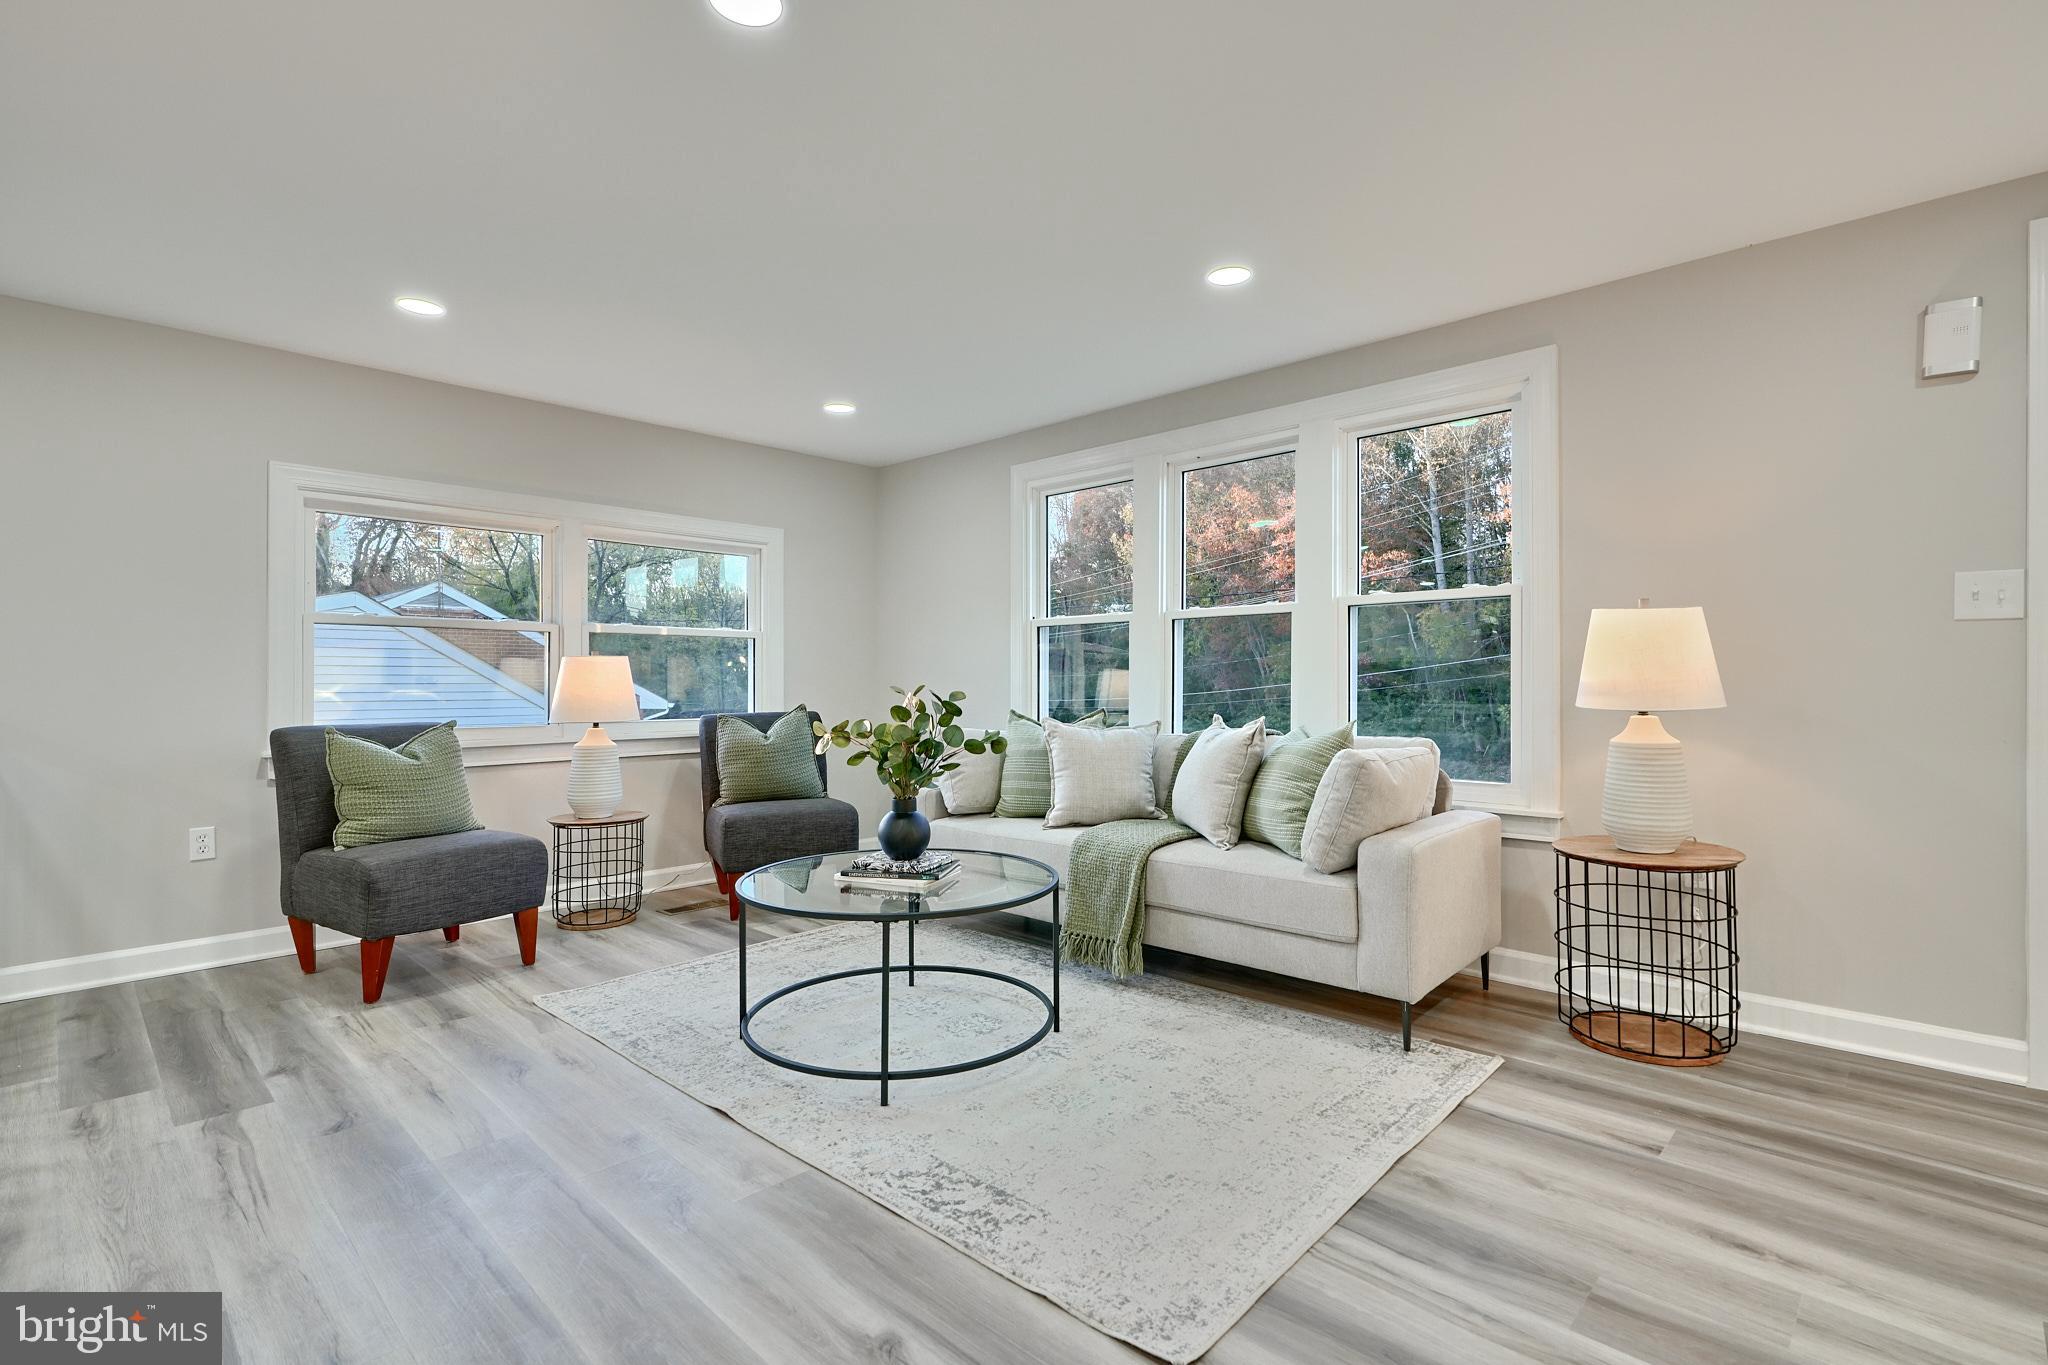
1872 1035
59 975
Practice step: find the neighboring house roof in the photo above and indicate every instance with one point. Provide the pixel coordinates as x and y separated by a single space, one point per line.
385 673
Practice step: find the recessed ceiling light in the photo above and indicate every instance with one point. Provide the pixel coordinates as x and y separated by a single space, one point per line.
425 308
840 409
752 13
1229 276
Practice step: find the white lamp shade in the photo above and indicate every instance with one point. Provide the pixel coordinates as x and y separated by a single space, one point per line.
594 688
1649 659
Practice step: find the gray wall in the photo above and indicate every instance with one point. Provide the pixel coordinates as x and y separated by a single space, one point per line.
133 546
1748 433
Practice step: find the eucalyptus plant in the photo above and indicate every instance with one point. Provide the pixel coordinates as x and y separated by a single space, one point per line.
921 739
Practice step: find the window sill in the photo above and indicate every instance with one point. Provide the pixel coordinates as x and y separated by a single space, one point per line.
1518 824
522 753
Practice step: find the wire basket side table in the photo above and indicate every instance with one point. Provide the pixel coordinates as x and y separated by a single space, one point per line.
1647 965
598 866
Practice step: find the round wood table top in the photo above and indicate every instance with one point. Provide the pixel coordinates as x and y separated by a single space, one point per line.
617 817
1690 856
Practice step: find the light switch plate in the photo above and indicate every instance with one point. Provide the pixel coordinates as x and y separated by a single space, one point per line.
1991 595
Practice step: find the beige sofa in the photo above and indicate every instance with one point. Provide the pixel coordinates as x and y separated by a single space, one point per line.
1422 904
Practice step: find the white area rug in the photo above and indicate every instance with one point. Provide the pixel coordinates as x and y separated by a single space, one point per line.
1152 1168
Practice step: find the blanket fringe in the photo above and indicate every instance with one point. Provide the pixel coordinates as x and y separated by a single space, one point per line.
1102 951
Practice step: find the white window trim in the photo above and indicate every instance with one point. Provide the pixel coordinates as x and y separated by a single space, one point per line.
297 490
1323 433
1175 542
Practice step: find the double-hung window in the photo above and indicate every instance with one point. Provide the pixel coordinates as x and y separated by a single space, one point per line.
685 615
418 620
1081 627
1233 625
1433 624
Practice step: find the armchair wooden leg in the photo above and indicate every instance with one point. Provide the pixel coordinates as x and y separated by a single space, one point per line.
376 962
452 932
302 939
527 923
726 883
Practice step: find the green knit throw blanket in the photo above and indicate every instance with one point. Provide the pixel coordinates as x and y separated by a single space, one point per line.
1104 923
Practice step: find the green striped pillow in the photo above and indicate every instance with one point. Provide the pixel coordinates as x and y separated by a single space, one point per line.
1286 787
778 766
1027 767
408 792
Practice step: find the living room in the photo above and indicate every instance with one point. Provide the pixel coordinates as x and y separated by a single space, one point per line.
1046 682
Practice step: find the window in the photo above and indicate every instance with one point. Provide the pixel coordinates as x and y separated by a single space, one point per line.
1433 636
399 601
1083 637
421 621
1233 632
1386 557
683 616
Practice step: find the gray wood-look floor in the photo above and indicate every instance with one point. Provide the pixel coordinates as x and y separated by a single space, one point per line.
453 1175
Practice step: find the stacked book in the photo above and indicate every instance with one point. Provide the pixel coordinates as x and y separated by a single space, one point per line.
926 875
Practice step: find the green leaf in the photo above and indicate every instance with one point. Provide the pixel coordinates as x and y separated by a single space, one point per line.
857 759
974 746
956 696
899 712
998 744
953 734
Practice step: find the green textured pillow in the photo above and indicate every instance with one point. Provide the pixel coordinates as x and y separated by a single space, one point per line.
1180 756
778 766
1027 767
1286 787
409 792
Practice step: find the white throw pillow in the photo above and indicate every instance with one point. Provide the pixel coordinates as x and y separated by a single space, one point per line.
1365 792
972 788
1214 779
1100 773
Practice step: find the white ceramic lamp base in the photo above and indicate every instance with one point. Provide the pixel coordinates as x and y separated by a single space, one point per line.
595 787
1647 807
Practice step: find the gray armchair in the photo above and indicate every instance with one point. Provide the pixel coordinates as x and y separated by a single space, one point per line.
379 891
749 834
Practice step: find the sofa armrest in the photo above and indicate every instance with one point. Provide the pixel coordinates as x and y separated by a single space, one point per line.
930 804
1428 902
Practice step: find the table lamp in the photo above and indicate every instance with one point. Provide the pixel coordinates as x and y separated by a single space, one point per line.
1647 659
594 688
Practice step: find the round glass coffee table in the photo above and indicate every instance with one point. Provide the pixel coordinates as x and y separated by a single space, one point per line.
805 887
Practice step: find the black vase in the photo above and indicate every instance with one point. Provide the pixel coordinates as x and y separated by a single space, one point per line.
904 832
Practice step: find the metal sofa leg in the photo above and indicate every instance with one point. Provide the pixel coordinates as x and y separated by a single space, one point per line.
1407 1027
1486 971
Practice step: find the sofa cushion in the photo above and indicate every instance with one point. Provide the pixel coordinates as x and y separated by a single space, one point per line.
1286 785
742 837
407 885
1253 884
1214 779
972 788
407 791
779 765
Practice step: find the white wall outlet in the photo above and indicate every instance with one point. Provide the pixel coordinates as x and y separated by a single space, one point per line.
199 843
1950 334
1991 595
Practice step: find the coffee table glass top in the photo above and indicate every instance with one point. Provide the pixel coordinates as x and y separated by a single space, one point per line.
987 881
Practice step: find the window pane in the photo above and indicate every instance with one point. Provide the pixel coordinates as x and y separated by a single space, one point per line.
380 566
1239 523
1439 669
1082 668
1236 667
1434 506
680 676
655 585
476 678
1088 551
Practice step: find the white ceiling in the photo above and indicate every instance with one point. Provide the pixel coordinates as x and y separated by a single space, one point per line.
968 216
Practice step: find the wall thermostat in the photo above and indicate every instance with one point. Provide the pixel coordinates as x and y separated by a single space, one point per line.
1949 337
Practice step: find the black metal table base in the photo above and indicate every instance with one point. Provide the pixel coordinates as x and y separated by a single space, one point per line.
908 970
